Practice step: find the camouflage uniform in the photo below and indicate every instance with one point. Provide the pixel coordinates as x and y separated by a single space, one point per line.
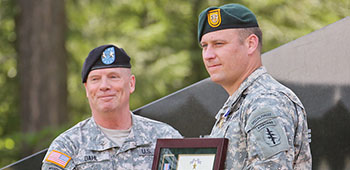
89 148
266 126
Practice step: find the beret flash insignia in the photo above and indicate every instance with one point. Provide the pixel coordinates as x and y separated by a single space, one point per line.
108 56
214 18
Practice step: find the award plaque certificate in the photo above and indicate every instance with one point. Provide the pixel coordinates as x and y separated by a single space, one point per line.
190 154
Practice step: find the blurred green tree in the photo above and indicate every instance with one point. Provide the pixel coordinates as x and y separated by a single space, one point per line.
40 47
9 94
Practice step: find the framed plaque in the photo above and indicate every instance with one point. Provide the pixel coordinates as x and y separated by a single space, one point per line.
190 154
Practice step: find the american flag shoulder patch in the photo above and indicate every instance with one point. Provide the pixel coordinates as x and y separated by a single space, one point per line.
58 158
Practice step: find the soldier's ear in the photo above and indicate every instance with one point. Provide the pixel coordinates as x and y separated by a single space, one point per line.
252 43
132 83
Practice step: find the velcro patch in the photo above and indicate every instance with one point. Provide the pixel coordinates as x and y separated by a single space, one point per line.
262 116
258 119
58 158
265 124
266 132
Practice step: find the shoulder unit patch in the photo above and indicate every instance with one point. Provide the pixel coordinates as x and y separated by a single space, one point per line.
58 158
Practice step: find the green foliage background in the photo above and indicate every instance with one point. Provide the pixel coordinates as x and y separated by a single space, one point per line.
160 37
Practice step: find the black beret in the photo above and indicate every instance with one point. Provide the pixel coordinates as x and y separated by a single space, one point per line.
105 56
225 17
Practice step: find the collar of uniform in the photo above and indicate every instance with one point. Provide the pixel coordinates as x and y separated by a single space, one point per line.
137 136
98 141
245 84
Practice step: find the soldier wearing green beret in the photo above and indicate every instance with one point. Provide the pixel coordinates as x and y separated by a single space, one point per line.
113 138
264 121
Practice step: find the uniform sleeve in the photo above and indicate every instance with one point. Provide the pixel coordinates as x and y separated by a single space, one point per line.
58 156
50 166
270 133
176 134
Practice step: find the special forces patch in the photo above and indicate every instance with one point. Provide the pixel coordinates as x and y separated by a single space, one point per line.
108 56
267 133
271 136
214 18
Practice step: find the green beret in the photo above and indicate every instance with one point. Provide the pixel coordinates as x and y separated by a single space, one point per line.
225 17
105 56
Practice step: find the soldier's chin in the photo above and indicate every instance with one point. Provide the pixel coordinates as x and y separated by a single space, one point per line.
107 109
215 79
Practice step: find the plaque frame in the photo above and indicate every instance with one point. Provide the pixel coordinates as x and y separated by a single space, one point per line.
217 146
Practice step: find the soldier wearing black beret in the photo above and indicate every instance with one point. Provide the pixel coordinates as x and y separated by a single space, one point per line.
107 60
113 138
264 121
